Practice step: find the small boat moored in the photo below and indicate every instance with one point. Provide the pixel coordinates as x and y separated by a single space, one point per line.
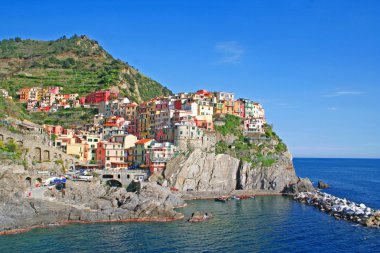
222 198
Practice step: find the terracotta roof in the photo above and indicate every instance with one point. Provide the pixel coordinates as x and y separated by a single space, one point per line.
143 141
110 125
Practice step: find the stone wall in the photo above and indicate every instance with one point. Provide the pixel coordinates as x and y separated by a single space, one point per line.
37 147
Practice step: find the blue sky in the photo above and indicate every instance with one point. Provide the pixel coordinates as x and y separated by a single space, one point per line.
315 65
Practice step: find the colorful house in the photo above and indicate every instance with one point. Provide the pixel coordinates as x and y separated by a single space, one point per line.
100 96
158 155
141 148
205 122
109 152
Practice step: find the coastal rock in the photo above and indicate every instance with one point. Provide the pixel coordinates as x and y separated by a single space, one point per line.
323 185
202 171
275 178
81 202
199 217
340 209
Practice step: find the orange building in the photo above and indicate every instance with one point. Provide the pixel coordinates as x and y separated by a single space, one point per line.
24 94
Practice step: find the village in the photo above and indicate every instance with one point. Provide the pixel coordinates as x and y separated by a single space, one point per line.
127 135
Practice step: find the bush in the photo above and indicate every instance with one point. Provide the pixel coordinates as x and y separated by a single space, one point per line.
12 146
221 147
231 126
281 148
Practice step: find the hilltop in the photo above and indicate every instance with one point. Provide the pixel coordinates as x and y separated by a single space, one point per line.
77 64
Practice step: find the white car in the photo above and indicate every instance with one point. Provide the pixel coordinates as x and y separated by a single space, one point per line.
85 178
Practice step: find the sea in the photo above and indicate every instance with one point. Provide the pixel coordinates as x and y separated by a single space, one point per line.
263 224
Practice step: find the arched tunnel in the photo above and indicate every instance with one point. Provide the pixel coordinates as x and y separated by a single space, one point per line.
114 183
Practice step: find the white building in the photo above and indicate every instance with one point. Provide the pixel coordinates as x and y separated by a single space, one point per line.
220 96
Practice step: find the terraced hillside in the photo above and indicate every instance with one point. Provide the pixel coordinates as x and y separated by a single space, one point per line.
78 64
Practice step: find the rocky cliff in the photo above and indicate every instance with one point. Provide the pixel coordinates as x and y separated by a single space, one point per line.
202 171
81 202
222 173
254 164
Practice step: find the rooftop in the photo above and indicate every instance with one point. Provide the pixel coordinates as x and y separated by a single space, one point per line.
143 141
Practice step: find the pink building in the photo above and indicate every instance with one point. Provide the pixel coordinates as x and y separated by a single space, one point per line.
54 90
57 130
162 104
165 134
109 152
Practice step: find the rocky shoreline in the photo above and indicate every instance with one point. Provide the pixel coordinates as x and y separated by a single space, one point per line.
341 209
68 222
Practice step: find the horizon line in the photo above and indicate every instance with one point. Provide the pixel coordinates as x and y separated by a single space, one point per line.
308 157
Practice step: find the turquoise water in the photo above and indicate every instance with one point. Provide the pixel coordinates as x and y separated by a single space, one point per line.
263 224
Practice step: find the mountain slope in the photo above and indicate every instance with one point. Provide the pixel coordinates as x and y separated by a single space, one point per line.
78 64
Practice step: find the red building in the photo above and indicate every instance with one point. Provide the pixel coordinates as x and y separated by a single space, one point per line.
82 100
178 104
204 93
100 96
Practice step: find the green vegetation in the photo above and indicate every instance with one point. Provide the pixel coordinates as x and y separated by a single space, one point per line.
10 150
231 125
65 117
269 133
256 151
221 147
10 108
77 64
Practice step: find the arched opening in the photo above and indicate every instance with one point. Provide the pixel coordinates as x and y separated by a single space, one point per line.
38 182
114 183
20 143
9 139
37 154
46 155
1 137
28 181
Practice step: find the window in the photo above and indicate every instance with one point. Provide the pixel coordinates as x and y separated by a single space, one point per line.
108 158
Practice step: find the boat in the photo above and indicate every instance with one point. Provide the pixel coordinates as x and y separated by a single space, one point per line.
222 199
236 197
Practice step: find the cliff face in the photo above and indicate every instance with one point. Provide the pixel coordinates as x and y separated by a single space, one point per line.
202 171
269 168
276 177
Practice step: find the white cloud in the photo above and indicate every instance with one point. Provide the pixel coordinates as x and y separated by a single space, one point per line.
332 108
345 93
231 52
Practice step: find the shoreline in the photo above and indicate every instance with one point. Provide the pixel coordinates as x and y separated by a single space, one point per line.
64 223
184 195
187 196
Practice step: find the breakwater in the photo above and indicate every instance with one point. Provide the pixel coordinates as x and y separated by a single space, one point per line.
341 208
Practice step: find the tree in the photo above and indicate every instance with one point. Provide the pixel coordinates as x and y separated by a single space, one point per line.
18 39
12 146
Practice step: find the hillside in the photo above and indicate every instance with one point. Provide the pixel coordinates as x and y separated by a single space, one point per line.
78 64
